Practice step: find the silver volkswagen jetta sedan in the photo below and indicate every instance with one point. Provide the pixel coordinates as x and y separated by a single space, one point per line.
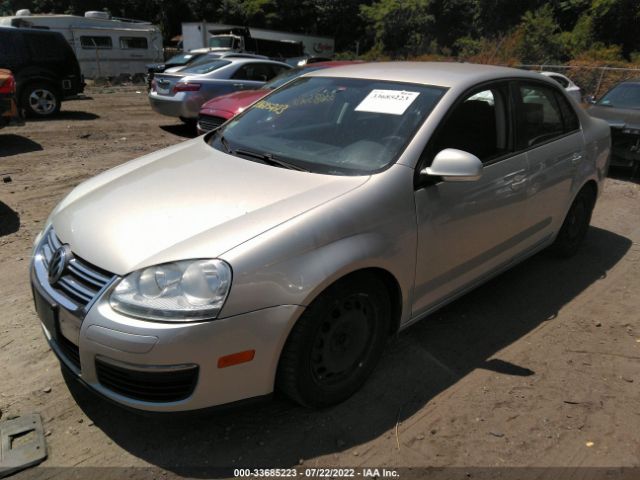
283 249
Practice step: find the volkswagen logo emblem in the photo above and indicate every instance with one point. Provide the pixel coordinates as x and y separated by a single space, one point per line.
58 264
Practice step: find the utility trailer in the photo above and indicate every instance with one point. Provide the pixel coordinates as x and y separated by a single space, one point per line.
105 46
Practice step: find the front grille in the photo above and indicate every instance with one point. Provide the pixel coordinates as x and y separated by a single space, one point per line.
149 385
209 122
81 281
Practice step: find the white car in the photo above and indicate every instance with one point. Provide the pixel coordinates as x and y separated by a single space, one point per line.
571 88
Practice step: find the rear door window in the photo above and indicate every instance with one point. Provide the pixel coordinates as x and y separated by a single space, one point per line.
257 72
9 46
44 47
569 116
539 118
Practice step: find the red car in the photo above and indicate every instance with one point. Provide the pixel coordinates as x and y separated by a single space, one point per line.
9 113
220 109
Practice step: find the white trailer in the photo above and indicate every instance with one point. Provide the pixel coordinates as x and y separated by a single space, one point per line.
197 35
105 46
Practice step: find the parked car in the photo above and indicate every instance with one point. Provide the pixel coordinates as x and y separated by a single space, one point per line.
9 112
191 59
282 250
220 109
45 68
620 107
181 94
572 89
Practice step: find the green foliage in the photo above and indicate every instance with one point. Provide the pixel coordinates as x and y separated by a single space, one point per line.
400 27
488 31
540 40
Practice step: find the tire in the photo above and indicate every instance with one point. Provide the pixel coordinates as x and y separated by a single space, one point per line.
575 225
190 122
40 100
336 343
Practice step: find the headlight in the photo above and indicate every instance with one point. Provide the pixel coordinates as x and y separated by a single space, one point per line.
179 291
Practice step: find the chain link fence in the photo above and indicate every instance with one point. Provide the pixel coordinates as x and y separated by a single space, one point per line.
592 80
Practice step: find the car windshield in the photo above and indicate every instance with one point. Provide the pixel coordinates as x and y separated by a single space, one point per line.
205 67
625 95
338 126
180 59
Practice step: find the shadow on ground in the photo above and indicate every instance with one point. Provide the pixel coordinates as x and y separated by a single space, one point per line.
9 220
67 115
181 130
426 359
11 144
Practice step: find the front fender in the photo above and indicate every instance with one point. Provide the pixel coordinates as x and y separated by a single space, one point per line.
370 227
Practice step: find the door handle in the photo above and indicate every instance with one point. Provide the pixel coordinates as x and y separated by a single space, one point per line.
518 181
575 158
239 85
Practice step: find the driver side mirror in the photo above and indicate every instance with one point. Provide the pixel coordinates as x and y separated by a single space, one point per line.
590 99
455 165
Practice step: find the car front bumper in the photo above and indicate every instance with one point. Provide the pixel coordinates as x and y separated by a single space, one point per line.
161 366
182 104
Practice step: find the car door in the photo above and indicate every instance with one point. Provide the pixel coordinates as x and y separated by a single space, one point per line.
468 229
548 130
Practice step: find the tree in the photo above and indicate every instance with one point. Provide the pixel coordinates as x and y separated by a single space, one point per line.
540 41
399 27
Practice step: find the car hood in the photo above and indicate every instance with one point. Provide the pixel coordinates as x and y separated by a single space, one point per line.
233 102
616 117
187 201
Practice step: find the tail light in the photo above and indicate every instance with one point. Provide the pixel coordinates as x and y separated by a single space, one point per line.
186 87
8 86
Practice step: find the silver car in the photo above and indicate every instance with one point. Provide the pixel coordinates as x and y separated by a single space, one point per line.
565 82
283 249
181 94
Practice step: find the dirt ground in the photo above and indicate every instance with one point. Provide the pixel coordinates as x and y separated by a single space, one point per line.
539 367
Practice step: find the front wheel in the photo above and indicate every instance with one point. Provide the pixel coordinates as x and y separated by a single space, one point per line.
40 100
336 343
576 224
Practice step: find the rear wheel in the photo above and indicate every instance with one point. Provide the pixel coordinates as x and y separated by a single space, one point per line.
40 100
576 224
336 343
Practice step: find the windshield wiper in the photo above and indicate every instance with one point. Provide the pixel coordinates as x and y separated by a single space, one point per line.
223 141
269 159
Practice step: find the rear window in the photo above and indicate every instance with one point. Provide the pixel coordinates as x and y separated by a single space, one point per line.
133 43
205 68
95 42
45 47
8 46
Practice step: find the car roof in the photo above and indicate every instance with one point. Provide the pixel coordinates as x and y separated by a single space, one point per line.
444 74
248 60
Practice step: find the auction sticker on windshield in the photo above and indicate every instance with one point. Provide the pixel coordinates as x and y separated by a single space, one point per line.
394 102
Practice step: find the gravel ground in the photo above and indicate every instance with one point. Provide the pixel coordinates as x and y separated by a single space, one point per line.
538 367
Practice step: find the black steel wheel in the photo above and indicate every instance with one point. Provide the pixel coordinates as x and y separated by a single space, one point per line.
336 343
576 224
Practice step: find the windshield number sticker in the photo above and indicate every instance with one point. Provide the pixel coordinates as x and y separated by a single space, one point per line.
394 102
276 108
